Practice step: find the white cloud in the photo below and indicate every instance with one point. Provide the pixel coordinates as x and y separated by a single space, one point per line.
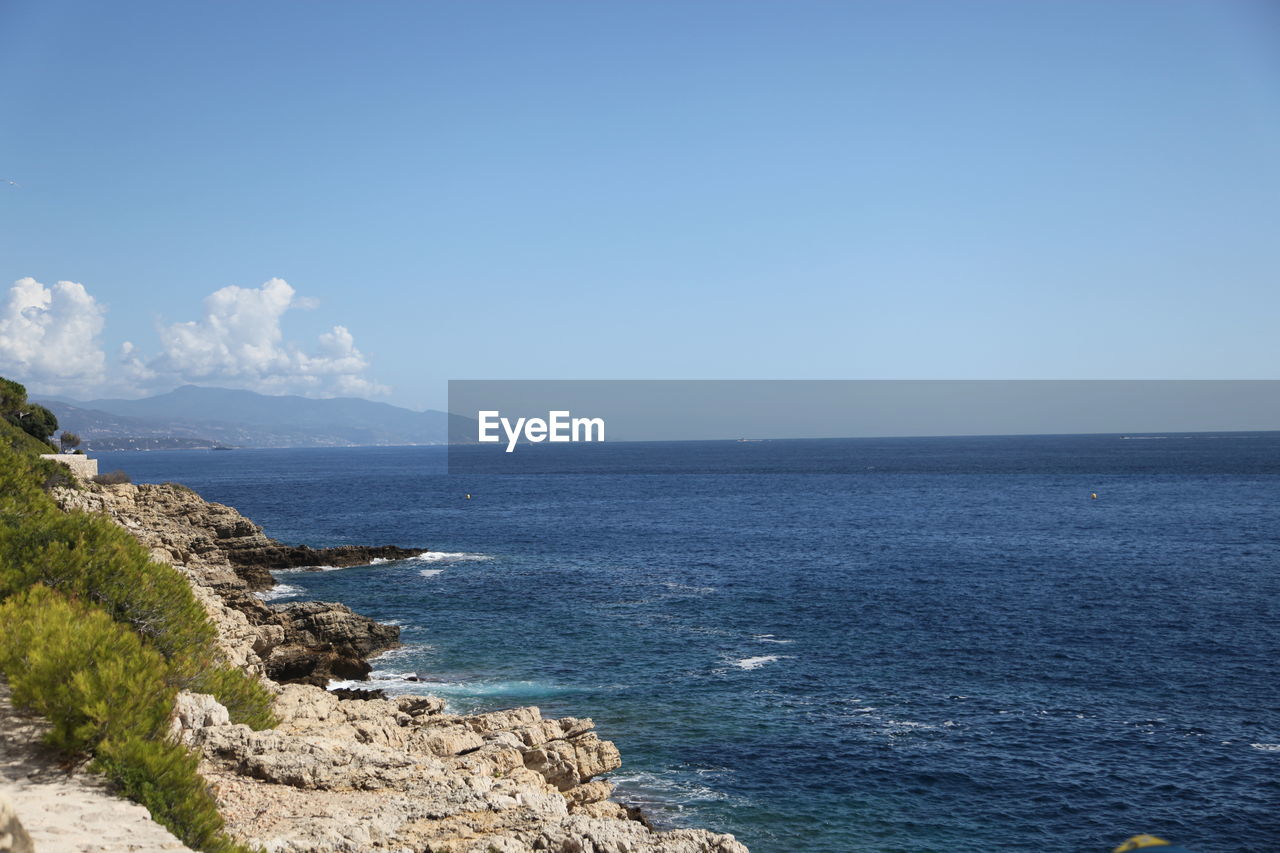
49 337
49 340
238 343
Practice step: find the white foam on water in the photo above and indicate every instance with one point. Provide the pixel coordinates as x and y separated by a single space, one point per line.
407 650
280 590
449 557
909 724
757 661
463 697
1266 747
706 771
347 684
299 569
514 687
398 681
430 557
687 588
769 638
430 573
665 789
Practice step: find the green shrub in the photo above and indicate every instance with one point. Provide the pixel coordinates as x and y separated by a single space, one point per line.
22 500
98 638
105 692
163 776
89 675
245 698
113 478
17 439
54 475
94 559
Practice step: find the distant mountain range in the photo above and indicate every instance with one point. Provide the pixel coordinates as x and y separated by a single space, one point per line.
196 417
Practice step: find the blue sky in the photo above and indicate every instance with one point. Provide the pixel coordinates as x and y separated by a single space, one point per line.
740 189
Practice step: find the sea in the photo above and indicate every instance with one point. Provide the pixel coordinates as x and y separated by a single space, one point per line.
1044 643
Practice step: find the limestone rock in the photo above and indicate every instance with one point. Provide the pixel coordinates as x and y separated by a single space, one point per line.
407 776
226 557
174 520
13 838
251 556
194 712
589 792
316 623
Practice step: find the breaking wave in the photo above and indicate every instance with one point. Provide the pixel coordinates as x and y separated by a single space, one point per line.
449 557
280 590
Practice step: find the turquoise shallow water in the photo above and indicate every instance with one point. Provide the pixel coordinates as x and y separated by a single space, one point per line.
941 644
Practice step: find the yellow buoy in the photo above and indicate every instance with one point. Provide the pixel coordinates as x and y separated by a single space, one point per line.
1092 496
469 497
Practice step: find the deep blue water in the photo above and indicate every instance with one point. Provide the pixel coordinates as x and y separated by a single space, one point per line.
946 647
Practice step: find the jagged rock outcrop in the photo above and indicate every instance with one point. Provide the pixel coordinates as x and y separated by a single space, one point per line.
361 772
254 559
194 532
408 776
314 642
309 642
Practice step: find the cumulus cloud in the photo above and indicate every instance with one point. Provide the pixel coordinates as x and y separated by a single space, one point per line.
49 337
239 343
49 340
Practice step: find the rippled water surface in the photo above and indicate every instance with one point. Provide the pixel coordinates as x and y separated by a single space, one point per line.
959 653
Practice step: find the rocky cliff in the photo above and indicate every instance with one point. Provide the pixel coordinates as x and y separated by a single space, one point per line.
357 774
226 557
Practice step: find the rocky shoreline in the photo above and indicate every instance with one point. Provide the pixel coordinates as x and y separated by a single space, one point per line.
353 774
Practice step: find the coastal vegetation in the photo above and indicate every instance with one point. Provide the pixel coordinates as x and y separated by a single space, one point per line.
99 639
32 419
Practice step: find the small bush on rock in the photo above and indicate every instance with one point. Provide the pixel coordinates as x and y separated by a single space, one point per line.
91 676
163 776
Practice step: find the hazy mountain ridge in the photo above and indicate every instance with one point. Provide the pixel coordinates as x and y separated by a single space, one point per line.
194 416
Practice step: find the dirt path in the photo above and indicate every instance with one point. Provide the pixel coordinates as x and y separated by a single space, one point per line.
67 812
